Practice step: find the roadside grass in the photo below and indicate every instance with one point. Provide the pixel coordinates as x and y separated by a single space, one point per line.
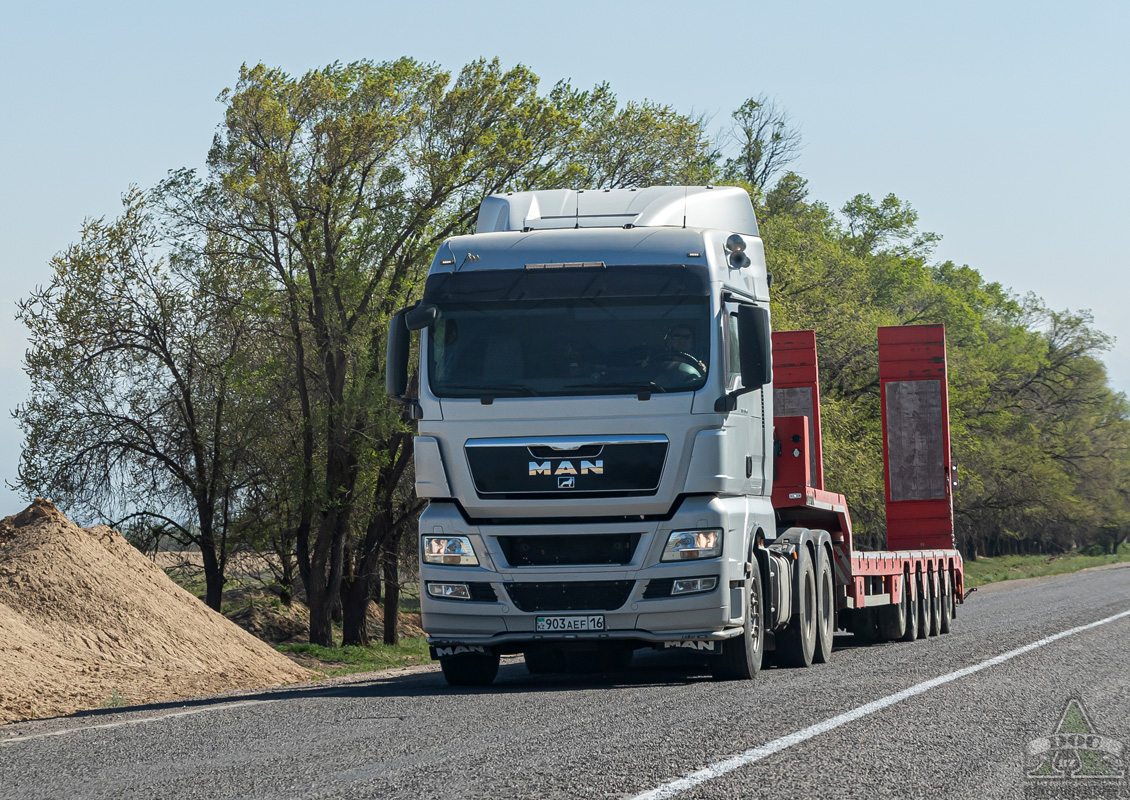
1007 568
334 661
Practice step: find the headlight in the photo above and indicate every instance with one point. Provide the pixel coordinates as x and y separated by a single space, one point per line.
684 545
455 550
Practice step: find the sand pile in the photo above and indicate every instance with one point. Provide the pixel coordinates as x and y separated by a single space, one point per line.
86 620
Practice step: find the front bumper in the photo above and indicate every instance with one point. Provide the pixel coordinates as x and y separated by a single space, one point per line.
641 617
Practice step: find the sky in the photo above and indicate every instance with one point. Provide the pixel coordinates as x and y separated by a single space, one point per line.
1004 124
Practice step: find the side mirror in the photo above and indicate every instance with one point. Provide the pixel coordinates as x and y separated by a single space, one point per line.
396 357
756 346
420 316
755 352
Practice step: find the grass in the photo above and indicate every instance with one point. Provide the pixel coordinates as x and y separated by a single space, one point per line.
1007 568
335 661
115 700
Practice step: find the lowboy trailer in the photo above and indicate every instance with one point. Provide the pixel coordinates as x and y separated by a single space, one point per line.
618 452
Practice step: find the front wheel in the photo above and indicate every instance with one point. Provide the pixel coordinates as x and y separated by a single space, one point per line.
741 656
470 669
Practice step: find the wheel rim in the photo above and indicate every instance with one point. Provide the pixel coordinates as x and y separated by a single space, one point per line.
754 611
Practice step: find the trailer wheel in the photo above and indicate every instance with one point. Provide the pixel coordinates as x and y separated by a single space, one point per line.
741 655
892 618
935 602
470 669
911 597
798 641
864 626
947 602
825 609
923 605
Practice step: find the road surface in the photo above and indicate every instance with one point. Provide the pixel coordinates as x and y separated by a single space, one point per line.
951 716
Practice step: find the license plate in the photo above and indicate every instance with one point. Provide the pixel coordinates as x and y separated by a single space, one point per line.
593 622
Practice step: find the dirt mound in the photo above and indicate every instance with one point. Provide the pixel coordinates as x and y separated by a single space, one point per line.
86 620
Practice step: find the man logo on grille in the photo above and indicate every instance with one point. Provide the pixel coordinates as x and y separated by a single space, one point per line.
566 482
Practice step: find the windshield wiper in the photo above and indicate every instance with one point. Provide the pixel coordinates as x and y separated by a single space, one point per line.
643 389
490 391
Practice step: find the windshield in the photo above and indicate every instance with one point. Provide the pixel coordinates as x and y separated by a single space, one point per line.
576 346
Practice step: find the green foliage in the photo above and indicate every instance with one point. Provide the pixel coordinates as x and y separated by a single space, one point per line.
349 659
1006 568
115 700
1041 441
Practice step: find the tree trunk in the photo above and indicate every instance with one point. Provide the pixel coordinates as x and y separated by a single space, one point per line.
391 570
213 572
355 613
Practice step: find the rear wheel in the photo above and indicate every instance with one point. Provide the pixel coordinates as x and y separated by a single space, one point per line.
892 618
910 598
798 641
741 655
470 669
826 609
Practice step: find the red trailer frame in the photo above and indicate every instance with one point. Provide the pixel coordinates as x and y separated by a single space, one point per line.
916 437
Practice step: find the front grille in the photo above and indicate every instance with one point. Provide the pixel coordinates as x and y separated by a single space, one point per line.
482 592
570 595
563 466
658 587
583 549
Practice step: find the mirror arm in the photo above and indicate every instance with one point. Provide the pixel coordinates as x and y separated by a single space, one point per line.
729 401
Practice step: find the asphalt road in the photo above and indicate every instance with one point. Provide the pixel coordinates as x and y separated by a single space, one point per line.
409 736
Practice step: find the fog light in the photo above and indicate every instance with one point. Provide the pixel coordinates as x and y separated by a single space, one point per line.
692 585
449 591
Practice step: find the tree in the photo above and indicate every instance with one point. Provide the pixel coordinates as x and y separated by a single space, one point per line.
766 141
339 186
139 368
639 144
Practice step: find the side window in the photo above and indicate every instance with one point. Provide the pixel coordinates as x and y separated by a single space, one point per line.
734 362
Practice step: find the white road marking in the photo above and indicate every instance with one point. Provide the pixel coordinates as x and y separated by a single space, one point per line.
142 721
720 768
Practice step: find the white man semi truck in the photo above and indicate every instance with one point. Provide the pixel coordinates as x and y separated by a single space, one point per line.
618 453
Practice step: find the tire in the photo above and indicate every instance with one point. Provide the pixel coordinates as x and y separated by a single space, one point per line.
825 609
892 618
935 602
923 594
741 655
947 602
470 669
543 661
798 641
911 598
864 626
